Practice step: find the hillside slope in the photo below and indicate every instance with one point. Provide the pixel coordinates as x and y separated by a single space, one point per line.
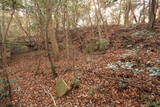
125 75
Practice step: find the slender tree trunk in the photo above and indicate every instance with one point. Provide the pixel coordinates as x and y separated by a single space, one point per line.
134 16
3 73
144 15
152 14
21 26
41 20
97 20
48 21
158 13
158 9
51 30
120 12
127 11
54 35
67 37
91 24
66 25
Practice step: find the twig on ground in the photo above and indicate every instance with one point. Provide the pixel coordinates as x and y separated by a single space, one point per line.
49 94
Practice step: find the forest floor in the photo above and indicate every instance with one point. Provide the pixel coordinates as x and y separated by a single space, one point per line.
102 82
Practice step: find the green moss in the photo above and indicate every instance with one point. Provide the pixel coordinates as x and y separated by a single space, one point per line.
61 87
96 45
103 44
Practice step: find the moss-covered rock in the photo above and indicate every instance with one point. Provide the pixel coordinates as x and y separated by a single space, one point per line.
61 87
97 45
30 41
103 44
18 48
91 47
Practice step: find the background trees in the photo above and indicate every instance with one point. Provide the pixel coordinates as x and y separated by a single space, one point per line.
46 19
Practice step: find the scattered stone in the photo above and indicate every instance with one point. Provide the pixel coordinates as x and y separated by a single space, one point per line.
154 71
139 47
113 67
145 34
124 65
137 70
127 65
61 87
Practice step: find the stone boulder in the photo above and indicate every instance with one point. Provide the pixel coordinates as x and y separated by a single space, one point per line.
18 48
61 87
97 45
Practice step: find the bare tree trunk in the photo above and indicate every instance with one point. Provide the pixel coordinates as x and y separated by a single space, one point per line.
143 11
3 73
51 30
133 14
120 12
152 14
67 37
97 20
21 26
28 22
66 25
92 27
158 9
54 31
127 11
48 21
41 20
158 13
